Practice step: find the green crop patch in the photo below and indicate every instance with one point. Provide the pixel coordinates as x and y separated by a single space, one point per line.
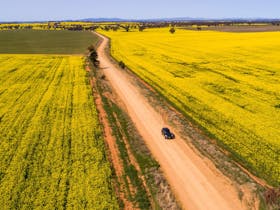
45 42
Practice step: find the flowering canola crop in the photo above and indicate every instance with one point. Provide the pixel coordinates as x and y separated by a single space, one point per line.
51 148
229 83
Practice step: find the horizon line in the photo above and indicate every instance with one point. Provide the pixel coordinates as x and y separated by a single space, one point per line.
117 19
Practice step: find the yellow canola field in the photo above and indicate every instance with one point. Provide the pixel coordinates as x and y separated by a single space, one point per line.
229 83
52 153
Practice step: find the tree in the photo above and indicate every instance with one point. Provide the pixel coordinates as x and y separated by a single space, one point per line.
93 56
126 27
115 27
172 30
141 27
106 28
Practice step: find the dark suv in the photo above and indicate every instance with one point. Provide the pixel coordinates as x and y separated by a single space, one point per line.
167 134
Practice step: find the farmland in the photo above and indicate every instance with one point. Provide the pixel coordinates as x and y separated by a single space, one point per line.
45 42
228 83
52 153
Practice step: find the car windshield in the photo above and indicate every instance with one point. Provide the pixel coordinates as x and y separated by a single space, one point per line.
166 130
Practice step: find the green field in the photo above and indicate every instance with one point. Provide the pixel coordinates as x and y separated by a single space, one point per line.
45 42
228 83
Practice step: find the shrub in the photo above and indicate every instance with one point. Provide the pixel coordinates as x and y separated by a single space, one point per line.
93 56
172 30
122 64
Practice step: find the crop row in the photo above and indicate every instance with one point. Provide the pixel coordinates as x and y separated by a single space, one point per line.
52 153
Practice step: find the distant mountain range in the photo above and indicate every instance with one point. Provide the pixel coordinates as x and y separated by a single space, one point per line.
181 19
178 19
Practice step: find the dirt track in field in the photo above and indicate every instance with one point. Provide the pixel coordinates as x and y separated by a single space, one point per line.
197 184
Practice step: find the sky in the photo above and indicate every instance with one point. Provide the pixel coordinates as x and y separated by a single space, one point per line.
38 10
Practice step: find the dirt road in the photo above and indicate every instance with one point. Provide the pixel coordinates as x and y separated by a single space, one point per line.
197 184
